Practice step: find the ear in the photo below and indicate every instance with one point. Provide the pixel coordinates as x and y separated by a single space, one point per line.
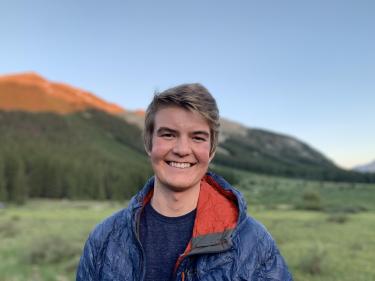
147 151
212 156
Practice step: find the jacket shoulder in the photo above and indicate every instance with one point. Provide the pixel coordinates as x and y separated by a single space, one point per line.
252 227
109 230
258 250
112 226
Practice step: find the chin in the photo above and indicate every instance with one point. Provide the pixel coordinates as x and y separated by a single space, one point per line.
179 186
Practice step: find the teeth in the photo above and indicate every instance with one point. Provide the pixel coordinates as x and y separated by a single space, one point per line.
179 165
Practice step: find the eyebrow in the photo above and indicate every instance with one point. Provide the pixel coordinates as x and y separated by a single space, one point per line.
165 129
169 130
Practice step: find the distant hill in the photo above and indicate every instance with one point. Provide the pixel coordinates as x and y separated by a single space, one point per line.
366 168
61 142
32 93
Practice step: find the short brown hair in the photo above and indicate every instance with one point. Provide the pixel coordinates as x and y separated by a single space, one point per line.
193 97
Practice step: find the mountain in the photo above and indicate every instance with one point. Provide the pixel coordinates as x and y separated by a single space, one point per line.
58 141
32 93
62 142
366 168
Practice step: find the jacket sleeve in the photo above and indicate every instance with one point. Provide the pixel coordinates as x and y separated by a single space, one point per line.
86 267
273 266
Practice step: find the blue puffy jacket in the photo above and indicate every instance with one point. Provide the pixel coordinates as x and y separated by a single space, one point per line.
226 244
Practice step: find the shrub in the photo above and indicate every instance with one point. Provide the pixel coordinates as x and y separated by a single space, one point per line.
338 218
312 263
52 249
8 229
310 201
347 209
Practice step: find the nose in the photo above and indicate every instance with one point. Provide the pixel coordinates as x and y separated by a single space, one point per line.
182 147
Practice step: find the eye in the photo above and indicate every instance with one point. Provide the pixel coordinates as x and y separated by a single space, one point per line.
167 136
199 139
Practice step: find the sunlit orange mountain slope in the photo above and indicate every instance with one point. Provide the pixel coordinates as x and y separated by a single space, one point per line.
31 92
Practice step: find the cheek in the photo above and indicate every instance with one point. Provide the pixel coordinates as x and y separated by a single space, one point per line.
159 149
203 153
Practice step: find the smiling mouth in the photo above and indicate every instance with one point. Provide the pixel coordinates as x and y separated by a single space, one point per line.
180 165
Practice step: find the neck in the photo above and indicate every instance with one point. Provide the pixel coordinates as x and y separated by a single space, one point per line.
170 203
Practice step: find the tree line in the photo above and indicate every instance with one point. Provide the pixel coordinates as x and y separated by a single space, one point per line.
41 176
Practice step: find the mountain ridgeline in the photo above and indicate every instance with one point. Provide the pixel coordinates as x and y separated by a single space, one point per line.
266 152
61 142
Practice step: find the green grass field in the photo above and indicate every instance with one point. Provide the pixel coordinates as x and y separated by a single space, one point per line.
325 231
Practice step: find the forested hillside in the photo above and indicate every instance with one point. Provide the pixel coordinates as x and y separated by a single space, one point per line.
270 153
83 155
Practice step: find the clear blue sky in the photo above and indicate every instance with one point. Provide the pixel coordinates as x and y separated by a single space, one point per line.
303 68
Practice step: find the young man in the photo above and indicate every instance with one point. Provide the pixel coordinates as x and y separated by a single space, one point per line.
186 224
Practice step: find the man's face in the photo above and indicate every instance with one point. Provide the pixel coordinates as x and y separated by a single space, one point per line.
180 151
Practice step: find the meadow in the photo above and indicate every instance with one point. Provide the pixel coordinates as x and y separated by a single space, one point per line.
325 231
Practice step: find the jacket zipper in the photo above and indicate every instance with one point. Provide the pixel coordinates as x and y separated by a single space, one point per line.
183 272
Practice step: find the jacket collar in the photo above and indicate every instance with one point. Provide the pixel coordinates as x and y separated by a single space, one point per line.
220 209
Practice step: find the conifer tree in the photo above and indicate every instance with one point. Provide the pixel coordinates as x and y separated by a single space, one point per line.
3 191
16 184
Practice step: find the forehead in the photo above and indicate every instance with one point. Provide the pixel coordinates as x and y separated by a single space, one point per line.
179 118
